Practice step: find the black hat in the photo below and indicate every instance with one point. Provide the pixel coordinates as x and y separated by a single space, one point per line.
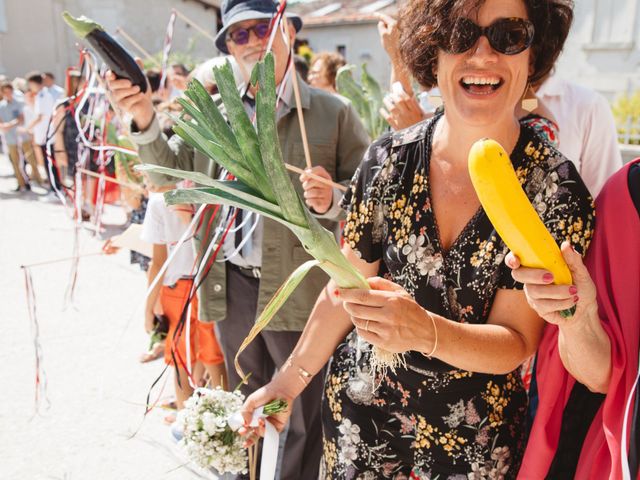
235 11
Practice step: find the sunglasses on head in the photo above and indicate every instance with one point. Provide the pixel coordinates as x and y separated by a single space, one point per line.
508 36
240 36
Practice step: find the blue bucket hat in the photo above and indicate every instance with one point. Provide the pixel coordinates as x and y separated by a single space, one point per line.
235 11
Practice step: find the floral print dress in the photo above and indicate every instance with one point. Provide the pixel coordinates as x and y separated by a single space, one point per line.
431 420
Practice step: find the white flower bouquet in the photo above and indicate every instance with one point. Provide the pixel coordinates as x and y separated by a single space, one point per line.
210 421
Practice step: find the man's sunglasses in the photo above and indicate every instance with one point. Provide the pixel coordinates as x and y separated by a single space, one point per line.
240 36
508 36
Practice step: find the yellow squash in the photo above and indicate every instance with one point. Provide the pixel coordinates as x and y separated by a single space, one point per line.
511 212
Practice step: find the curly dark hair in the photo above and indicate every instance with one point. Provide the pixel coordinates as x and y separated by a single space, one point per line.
331 64
426 26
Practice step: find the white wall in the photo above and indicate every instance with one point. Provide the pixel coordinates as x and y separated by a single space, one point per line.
36 37
602 51
603 48
362 46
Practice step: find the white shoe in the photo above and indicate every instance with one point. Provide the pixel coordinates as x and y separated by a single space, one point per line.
50 197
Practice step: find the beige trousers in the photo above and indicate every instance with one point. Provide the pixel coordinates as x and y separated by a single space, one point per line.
14 155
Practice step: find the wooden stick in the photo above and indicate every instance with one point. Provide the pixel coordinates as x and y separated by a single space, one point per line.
316 177
128 37
134 186
59 260
296 93
195 25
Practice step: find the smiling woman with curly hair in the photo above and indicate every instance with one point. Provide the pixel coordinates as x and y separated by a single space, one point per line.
424 30
441 294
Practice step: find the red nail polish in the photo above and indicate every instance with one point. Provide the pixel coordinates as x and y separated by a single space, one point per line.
573 290
336 292
547 277
575 299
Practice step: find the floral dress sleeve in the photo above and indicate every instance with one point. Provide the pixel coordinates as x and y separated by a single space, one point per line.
560 197
546 128
365 201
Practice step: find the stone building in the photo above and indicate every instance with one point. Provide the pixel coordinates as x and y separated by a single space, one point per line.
350 28
33 35
603 48
602 51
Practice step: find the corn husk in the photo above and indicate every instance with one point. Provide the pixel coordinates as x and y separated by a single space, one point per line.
262 183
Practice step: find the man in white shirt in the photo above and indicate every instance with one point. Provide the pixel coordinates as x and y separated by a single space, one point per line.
56 91
39 126
587 130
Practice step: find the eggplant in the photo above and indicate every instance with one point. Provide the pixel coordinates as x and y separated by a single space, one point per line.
112 53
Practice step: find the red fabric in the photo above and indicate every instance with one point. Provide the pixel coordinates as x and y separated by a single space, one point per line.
614 263
111 191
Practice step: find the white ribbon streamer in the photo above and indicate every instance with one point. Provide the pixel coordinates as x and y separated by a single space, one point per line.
271 442
166 50
624 458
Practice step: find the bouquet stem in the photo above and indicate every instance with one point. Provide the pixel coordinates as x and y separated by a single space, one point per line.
253 461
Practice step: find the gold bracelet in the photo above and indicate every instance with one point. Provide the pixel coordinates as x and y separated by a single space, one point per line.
304 376
435 343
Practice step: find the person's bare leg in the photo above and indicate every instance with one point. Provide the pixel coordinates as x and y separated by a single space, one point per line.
39 156
89 194
183 390
199 374
217 375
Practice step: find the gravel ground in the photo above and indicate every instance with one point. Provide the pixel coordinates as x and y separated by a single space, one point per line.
96 386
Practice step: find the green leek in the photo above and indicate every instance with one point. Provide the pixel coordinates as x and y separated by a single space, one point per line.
262 182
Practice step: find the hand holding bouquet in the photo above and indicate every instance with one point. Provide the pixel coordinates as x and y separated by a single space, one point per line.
210 422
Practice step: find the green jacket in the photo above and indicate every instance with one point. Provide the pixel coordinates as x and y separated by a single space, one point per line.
337 142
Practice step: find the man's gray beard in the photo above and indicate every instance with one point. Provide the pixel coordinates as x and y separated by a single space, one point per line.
248 66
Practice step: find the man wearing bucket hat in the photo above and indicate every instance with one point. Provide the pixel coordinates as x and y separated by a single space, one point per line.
259 260
237 11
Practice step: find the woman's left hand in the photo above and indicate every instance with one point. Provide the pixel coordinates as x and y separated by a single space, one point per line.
548 299
388 317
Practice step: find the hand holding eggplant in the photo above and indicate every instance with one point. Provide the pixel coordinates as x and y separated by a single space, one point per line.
126 77
110 51
131 99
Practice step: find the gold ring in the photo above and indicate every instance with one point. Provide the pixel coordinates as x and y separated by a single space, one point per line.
366 326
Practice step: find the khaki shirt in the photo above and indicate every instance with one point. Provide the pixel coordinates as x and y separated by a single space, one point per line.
337 142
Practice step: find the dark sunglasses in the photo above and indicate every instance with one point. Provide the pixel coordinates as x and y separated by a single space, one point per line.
240 36
508 36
